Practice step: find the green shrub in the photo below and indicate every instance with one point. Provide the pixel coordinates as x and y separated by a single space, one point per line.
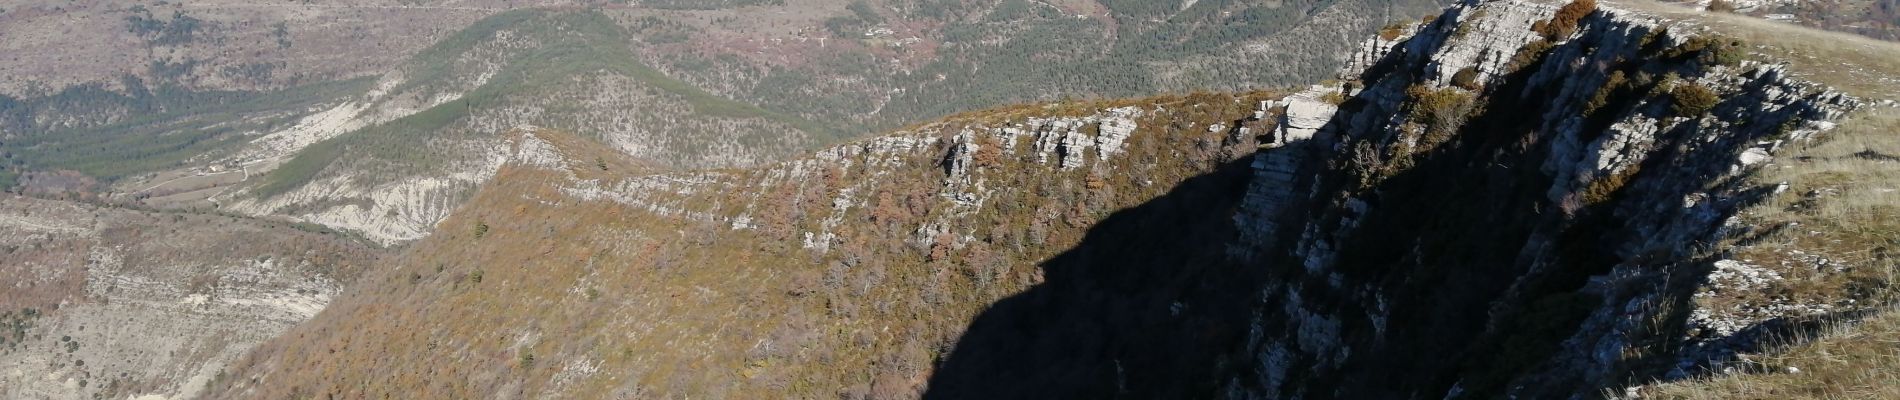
1442 111
1601 98
1529 54
1692 99
1711 50
1601 189
1725 51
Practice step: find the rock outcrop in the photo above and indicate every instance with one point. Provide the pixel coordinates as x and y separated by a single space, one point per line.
1517 200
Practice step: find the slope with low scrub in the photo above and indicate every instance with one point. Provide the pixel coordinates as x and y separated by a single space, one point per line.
849 274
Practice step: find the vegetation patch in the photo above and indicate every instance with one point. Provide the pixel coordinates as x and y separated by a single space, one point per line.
1529 54
1711 49
1467 79
1394 30
1604 188
164 126
1442 111
1688 99
1564 23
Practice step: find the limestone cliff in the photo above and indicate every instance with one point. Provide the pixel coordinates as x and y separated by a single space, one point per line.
1518 198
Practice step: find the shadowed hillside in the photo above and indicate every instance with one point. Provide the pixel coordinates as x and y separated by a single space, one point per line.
1147 305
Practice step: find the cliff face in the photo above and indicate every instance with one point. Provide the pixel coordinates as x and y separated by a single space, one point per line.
1519 198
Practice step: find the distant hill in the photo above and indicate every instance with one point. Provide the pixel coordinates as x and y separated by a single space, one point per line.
378 117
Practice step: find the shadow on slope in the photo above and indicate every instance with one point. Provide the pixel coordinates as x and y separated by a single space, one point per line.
1145 306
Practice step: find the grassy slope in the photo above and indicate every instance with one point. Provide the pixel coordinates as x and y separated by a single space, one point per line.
1855 219
1851 362
528 291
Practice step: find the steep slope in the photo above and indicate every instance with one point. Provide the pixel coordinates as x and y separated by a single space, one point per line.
111 303
1532 200
1835 246
1515 198
847 274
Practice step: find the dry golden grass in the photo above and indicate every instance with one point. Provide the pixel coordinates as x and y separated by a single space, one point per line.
1852 362
1854 64
1843 204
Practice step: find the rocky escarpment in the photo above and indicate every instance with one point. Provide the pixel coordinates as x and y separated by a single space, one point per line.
1516 199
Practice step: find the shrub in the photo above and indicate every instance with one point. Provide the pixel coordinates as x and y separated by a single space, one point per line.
481 229
1393 30
1692 99
1604 187
1721 6
1564 23
1334 98
1616 81
1724 51
1467 79
989 153
1441 111
1529 54
1711 50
